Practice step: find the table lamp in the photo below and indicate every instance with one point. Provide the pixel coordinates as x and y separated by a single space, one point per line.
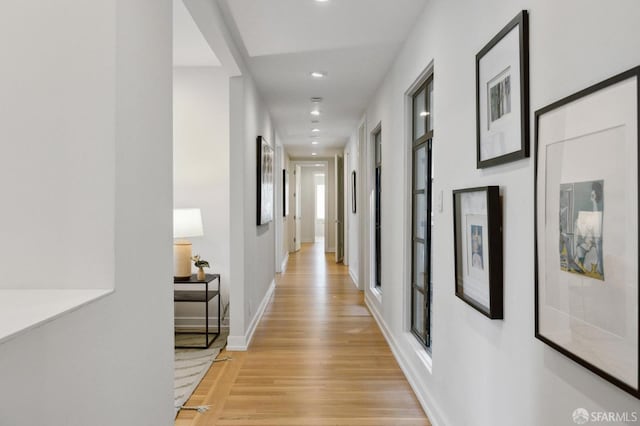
186 223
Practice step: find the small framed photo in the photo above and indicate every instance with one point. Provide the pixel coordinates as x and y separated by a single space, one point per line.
586 295
477 230
353 192
502 95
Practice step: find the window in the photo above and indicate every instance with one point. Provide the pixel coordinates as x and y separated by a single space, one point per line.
422 215
377 141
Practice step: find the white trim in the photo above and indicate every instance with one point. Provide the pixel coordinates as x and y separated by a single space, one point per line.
362 191
377 293
420 79
242 343
283 266
331 250
354 278
278 202
426 401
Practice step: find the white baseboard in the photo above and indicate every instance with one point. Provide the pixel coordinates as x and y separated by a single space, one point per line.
241 343
354 278
410 373
283 266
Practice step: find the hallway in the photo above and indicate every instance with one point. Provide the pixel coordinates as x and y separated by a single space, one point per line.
317 358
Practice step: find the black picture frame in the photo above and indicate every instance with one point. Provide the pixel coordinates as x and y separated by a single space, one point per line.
353 192
588 104
477 233
285 193
506 125
264 181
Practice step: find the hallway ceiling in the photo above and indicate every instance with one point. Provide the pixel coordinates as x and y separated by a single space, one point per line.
353 41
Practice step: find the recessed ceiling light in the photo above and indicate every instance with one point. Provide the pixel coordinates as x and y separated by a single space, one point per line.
322 1
318 74
314 154
318 165
315 130
315 112
315 143
316 99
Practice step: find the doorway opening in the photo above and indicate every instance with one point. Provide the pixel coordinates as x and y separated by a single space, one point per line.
320 197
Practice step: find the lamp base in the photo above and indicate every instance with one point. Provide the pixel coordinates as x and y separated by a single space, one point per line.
182 260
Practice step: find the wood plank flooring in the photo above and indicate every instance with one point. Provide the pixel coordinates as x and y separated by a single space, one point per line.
317 358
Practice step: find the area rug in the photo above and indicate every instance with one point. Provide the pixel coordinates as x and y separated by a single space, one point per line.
191 365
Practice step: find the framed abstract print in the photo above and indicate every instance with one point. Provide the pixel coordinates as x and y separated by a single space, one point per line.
477 230
353 192
586 299
265 180
285 193
502 95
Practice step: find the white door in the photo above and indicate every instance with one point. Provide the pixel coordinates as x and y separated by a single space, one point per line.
297 236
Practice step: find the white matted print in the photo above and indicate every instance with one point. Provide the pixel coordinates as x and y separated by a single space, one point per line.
478 249
476 279
587 229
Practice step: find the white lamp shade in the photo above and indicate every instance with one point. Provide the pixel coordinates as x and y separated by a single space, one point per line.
187 223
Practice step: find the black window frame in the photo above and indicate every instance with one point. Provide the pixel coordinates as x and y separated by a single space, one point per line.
417 143
377 162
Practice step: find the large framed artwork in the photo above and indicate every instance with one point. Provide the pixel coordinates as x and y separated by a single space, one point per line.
586 296
502 95
353 192
285 193
477 230
265 181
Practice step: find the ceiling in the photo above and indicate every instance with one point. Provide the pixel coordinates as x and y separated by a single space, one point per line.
190 48
353 41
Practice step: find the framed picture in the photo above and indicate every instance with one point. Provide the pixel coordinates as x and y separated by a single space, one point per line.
502 95
586 295
477 231
353 192
264 181
285 193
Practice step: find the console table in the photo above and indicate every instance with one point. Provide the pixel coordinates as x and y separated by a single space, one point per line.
201 296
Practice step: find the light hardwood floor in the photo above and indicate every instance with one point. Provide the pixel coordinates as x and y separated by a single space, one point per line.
317 358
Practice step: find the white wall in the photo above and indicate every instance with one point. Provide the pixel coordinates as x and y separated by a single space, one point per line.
201 170
308 203
330 200
252 247
489 372
282 230
57 124
286 221
109 362
352 233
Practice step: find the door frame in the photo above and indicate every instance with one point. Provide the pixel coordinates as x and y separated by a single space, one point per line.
325 169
